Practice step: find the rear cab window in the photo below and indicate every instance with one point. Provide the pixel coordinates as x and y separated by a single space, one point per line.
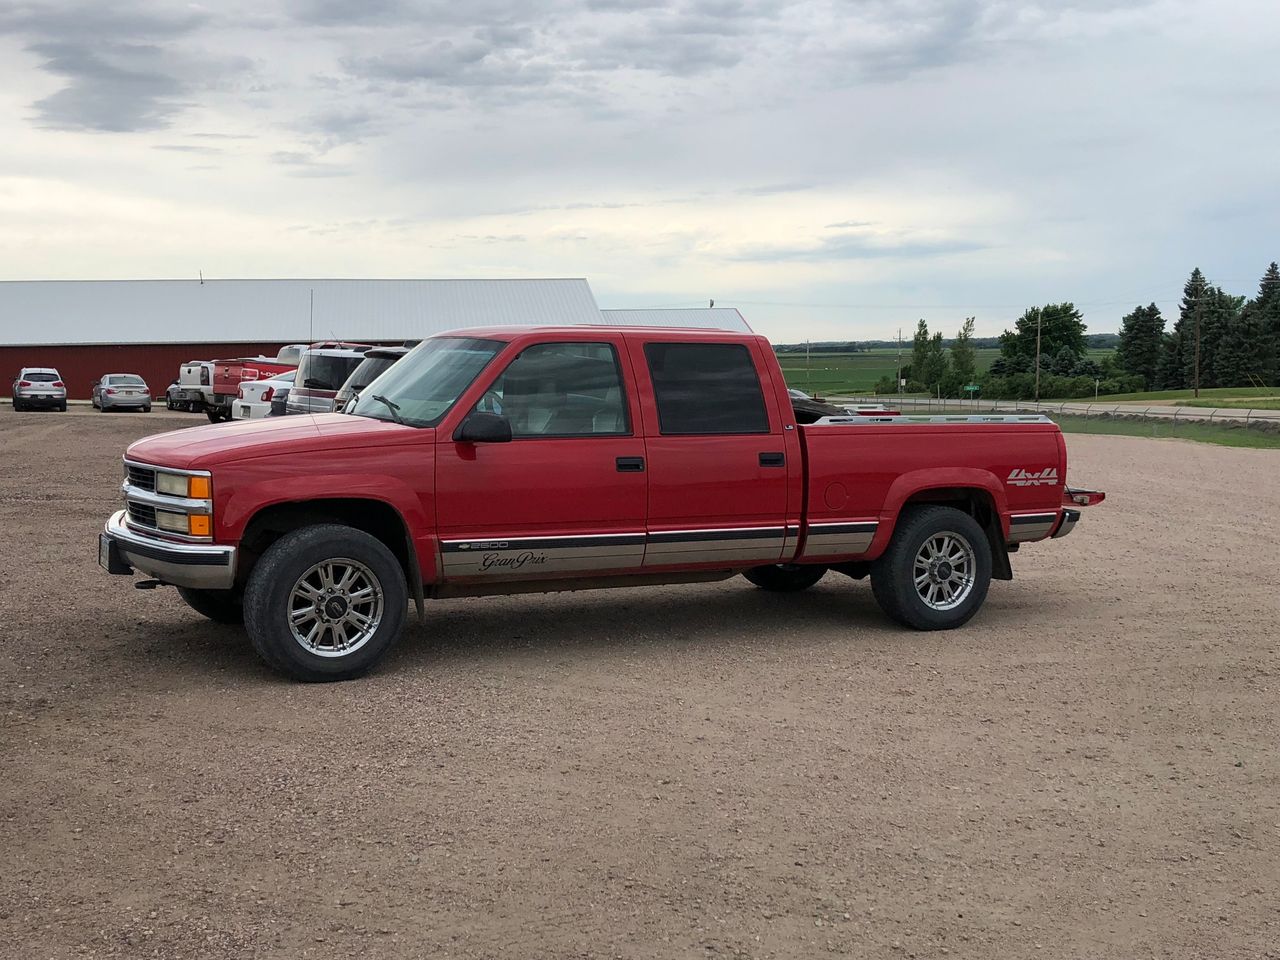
706 388
40 376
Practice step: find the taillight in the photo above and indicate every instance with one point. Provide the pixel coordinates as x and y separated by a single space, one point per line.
266 394
58 383
24 383
240 392
110 392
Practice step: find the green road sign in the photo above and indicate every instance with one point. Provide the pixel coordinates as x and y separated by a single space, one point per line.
971 388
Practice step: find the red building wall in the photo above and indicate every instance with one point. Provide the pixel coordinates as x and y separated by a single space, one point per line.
156 363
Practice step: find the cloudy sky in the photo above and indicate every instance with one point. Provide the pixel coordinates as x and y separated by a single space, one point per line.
834 168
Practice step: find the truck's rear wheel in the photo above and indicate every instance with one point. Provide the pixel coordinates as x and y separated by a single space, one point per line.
936 571
325 603
785 577
217 416
220 606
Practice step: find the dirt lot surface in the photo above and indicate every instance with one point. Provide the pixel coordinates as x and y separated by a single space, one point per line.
1088 770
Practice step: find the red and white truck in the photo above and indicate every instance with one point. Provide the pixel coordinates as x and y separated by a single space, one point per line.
212 386
494 461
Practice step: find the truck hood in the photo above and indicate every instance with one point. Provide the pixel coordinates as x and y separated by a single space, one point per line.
200 448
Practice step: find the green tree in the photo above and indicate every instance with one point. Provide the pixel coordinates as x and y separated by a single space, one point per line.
1266 307
1237 357
964 359
920 350
1141 340
1060 324
1195 295
935 369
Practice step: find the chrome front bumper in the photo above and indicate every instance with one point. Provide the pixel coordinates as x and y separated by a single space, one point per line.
201 566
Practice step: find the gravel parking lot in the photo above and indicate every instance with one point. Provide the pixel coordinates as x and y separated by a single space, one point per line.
1088 770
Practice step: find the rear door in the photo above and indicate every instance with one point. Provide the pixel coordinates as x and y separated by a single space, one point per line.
567 495
719 471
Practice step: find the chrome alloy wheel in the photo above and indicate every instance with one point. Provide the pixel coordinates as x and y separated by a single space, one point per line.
944 570
335 608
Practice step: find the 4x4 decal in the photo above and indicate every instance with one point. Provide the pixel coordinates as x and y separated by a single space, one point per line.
1019 477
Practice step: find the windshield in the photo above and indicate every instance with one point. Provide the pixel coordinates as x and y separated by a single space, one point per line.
428 380
320 372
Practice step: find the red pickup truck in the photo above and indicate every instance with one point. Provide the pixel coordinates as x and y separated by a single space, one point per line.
512 460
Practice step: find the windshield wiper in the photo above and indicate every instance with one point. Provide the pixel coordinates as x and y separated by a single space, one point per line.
393 407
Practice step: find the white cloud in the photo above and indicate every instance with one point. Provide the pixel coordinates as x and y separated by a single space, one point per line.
871 159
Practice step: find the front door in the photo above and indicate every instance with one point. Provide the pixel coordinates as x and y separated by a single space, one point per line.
567 496
719 458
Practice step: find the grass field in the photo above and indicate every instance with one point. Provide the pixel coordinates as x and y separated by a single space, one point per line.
1202 432
1256 403
1206 393
842 373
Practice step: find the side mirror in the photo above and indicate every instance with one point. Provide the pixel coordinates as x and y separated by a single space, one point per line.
483 428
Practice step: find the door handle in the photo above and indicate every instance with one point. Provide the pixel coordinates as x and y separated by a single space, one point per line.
773 459
630 464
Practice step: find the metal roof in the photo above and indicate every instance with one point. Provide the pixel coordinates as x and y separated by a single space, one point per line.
707 318
64 312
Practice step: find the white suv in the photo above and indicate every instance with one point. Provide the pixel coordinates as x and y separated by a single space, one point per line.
39 387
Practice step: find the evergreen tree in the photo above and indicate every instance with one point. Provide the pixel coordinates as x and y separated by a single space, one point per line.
1195 295
1169 370
1266 305
1237 357
1141 342
1063 362
964 360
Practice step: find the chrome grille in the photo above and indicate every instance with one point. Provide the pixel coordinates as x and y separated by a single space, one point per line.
142 514
143 478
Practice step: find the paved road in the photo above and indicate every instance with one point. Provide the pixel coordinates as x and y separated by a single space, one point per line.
1078 407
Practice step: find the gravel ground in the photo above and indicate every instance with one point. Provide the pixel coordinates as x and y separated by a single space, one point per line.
1088 770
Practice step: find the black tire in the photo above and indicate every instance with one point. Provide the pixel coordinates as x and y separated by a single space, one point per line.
785 577
62 407
17 406
102 408
215 416
147 408
893 573
268 600
220 606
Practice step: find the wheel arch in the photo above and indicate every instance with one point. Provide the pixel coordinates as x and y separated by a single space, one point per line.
975 492
378 518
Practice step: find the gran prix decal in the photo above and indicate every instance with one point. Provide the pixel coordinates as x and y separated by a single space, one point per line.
1019 477
491 561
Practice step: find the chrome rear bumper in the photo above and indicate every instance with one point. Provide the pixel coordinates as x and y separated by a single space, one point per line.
201 566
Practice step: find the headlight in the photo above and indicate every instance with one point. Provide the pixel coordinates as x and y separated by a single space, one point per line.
180 485
173 522
188 524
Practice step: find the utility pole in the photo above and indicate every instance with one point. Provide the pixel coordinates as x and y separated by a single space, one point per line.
899 361
808 371
1039 317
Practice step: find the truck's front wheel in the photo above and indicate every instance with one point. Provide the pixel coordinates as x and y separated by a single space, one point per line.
325 603
936 571
785 577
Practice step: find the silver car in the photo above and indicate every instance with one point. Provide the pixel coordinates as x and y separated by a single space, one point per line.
39 387
121 391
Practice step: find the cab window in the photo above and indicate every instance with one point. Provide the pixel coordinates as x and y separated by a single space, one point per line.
706 388
561 390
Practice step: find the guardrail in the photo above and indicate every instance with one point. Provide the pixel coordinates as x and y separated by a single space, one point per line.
1075 408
